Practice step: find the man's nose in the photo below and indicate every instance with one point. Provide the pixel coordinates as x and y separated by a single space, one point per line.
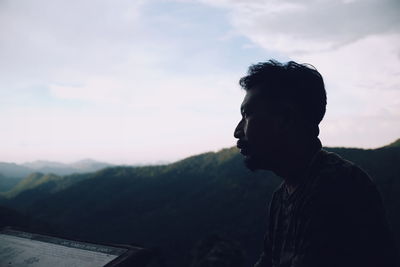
238 133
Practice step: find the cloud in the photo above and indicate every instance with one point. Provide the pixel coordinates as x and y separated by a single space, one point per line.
120 81
354 44
48 40
150 80
129 125
311 25
365 131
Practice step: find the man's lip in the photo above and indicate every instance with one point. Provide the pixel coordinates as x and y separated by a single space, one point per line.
242 147
240 144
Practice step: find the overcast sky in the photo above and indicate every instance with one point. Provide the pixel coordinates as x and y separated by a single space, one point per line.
130 82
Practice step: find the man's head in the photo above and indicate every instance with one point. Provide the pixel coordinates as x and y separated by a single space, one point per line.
283 103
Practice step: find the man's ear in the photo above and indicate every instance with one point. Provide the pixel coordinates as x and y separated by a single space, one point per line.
288 116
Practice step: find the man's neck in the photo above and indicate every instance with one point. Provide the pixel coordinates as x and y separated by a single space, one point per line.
294 167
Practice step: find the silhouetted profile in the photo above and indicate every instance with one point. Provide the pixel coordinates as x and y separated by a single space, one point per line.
327 212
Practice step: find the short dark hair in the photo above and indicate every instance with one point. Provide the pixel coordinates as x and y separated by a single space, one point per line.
300 84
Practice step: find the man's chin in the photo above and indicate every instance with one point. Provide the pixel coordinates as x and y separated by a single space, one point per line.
251 163
256 163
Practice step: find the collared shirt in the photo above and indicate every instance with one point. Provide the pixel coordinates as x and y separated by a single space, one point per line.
335 218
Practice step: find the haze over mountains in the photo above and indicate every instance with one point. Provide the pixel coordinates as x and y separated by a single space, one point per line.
21 170
11 173
174 206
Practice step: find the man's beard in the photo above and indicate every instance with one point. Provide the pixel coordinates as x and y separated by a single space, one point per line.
258 162
251 163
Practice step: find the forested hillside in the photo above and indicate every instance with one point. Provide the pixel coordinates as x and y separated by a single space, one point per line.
174 206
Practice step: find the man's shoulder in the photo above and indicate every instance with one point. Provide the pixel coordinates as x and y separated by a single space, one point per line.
338 182
335 170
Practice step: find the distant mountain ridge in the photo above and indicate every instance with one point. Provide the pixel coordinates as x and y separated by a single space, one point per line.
86 165
11 173
14 170
173 206
394 144
33 180
44 166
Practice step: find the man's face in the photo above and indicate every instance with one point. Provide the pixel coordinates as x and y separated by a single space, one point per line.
259 132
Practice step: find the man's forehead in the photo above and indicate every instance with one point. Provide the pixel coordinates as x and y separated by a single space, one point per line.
252 99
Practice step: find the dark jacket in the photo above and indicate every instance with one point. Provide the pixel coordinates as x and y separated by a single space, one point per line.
335 218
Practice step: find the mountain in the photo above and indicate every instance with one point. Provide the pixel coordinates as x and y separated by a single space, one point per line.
32 181
174 206
89 165
11 174
170 206
38 186
7 183
12 217
14 170
395 143
40 164
58 168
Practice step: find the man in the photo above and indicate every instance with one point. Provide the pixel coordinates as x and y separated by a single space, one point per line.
327 212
